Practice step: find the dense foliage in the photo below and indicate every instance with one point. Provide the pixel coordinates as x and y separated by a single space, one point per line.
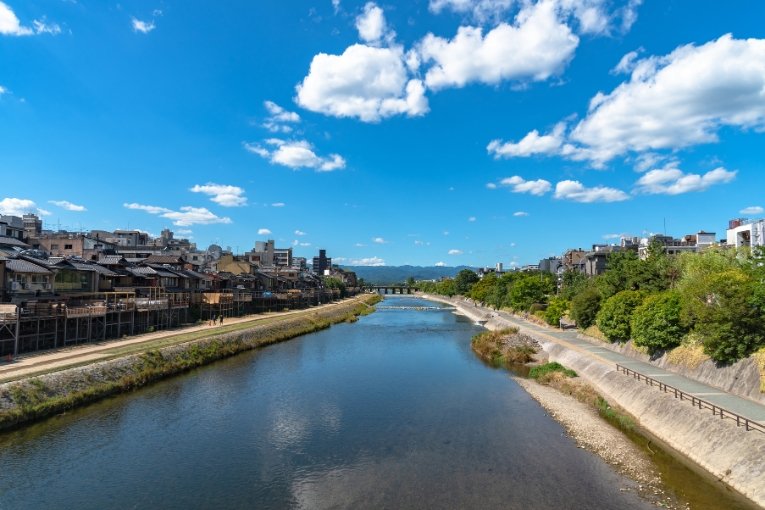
615 315
716 297
657 323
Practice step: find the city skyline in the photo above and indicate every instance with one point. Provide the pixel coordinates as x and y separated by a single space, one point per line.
423 133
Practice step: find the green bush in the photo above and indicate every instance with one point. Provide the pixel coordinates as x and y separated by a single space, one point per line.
656 324
585 306
614 316
555 310
547 368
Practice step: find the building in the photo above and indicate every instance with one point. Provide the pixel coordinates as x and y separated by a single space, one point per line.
68 244
744 233
300 263
690 243
322 262
12 226
32 225
283 257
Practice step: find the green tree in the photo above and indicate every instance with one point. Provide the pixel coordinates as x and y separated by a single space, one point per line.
615 315
572 283
556 308
446 287
585 306
464 280
657 323
483 289
529 289
410 282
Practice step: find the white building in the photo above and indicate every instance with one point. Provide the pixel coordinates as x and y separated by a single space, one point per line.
749 233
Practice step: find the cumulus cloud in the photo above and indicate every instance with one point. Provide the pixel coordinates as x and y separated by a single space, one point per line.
481 10
143 27
520 214
531 144
10 24
371 25
295 154
455 251
299 233
536 46
379 240
364 82
19 206
518 184
264 232
440 264
69 206
673 101
753 210
185 217
222 194
278 204
673 181
576 191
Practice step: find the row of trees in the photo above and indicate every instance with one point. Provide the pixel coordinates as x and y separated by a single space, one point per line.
715 298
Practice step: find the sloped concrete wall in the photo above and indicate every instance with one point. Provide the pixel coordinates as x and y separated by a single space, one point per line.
729 452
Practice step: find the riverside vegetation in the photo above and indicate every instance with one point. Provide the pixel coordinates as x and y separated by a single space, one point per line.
509 347
710 304
39 397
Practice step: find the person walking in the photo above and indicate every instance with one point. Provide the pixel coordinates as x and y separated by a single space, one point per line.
220 318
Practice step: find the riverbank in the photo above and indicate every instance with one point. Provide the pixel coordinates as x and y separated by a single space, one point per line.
729 453
54 389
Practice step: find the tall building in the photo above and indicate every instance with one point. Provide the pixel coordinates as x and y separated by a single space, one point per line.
32 225
322 262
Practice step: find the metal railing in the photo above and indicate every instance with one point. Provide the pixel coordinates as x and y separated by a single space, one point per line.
694 400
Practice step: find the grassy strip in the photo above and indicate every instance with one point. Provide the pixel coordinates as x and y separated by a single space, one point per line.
543 371
35 398
492 347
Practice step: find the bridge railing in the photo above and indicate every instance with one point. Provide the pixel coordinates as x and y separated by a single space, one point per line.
695 401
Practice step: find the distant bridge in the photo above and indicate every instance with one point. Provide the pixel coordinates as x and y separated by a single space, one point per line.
393 289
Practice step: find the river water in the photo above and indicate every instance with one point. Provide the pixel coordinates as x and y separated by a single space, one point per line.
394 411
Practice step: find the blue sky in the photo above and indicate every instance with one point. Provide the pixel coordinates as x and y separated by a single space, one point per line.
422 132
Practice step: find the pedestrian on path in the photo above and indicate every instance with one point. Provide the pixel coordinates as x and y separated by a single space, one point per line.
220 318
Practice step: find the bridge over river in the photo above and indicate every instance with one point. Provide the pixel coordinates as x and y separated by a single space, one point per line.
394 289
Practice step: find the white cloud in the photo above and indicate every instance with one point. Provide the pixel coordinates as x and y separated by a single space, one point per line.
753 210
278 204
591 16
379 240
420 242
679 100
10 24
279 118
296 154
472 219
299 233
455 252
613 236
336 5
185 217
184 232
304 244
142 26
19 207
264 232
440 264
371 24
222 194
491 185
364 82
64 204
359 245
531 144
520 214
536 46
519 185
369 261
576 191
627 63
672 181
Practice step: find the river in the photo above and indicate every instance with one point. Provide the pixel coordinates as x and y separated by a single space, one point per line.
394 411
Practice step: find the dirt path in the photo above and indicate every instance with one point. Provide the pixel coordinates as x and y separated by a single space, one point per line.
31 364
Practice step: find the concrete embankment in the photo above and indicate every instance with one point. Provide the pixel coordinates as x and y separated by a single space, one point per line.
730 453
47 394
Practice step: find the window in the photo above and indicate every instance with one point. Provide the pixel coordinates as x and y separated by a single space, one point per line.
67 246
54 247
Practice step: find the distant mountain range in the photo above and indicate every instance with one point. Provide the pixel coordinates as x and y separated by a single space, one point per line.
388 275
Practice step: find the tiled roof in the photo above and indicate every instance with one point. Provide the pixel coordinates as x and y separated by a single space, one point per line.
12 241
24 266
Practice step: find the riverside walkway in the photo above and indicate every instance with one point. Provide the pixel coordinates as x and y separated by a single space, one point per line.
744 407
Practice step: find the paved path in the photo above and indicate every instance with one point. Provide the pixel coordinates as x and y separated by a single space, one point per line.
744 407
43 361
